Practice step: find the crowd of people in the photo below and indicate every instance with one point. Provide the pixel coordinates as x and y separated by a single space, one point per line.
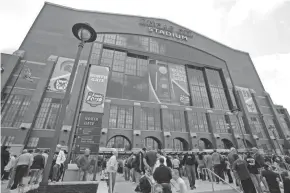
155 171
30 163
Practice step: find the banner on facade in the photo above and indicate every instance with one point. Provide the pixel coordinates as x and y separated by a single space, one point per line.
61 74
246 93
95 90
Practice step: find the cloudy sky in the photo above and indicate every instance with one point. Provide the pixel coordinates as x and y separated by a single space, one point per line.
260 27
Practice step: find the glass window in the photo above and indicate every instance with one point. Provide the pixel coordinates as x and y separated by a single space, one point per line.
48 113
10 140
119 142
33 142
110 38
198 122
220 124
273 123
150 118
96 53
285 127
121 40
176 120
150 142
199 96
177 145
119 61
154 46
217 89
257 128
14 110
2 139
107 57
121 117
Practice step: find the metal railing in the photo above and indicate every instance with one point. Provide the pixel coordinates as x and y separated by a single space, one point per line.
212 180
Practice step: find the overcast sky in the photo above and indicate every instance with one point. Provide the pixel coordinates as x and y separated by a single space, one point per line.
260 27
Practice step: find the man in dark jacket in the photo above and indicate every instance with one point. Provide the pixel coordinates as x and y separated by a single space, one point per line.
36 167
189 162
162 175
5 156
139 166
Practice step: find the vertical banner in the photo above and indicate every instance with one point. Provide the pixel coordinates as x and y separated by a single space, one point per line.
179 86
61 74
95 90
248 99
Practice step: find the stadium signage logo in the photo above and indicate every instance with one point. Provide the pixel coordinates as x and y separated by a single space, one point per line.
166 30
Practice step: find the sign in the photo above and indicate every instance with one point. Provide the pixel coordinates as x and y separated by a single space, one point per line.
96 88
61 74
88 139
90 120
248 99
88 131
80 148
166 30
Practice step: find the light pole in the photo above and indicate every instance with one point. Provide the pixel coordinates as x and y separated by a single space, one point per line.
236 113
85 33
272 128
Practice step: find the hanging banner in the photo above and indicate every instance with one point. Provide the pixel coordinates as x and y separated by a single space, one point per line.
248 99
61 74
179 86
95 90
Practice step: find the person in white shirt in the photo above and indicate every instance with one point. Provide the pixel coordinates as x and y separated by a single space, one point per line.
60 159
112 167
181 183
159 155
176 163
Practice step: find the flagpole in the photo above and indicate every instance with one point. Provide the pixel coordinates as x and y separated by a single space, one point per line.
14 83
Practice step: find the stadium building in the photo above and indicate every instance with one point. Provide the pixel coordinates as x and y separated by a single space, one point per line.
168 87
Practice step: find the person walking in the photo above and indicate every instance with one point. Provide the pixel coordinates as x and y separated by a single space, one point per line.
209 166
253 169
22 163
60 159
83 164
162 175
271 179
240 166
217 165
260 162
9 167
36 167
112 167
189 162
180 182
150 159
139 166
286 181
5 157
231 159
176 164
201 166
126 169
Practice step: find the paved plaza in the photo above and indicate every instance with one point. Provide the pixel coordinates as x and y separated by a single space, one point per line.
123 186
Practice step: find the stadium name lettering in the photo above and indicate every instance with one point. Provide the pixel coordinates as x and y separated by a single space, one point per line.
166 30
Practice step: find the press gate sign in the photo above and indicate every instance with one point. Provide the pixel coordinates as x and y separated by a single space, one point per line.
95 90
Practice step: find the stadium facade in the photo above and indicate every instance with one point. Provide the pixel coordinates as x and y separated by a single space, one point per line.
168 87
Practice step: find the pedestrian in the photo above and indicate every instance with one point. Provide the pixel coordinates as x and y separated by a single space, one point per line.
260 161
83 164
36 167
217 165
176 164
59 161
231 159
201 166
45 155
189 162
112 167
228 170
271 179
209 166
240 166
9 167
286 181
254 172
150 158
180 182
139 166
126 169
159 155
22 163
162 175
5 157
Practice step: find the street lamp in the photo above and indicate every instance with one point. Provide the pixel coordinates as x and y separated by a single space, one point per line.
272 128
236 113
86 34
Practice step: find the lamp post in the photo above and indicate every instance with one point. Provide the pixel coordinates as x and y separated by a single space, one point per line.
85 33
236 113
272 128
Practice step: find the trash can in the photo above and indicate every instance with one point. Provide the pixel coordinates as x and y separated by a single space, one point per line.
71 173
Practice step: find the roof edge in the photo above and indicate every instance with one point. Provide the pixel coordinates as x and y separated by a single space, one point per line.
119 14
